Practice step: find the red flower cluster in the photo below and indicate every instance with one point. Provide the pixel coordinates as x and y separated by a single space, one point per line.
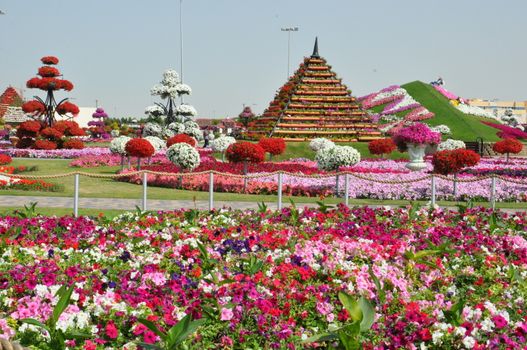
51 134
45 144
69 128
452 161
181 138
67 107
47 83
5 159
245 151
48 72
33 106
49 60
273 145
140 148
28 129
73 144
508 146
381 146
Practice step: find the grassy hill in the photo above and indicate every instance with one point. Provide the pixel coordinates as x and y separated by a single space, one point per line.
464 127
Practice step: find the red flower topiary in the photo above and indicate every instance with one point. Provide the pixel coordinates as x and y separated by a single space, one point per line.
33 106
49 60
245 152
139 148
51 134
67 107
73 144
272 145
28 129
5 159
49 72
508 146
381 146
452 161
69 128
181 138
45 144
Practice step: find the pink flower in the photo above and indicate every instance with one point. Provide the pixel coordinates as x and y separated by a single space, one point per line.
499 321
111 330
149 337
226 314
89 345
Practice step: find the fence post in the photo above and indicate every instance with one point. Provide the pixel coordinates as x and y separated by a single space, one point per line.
493 192
433 199
280 190
346 188
76 195
145 185
211 190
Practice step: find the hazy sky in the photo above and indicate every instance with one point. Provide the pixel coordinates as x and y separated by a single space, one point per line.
235 53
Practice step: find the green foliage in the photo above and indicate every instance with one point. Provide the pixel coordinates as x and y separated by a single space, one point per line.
323 207
28 212
175 337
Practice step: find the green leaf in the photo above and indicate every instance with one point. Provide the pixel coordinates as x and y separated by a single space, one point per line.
368 314
320 338
34 322
150 325
65 295
349 342
191 329
380 290
149 346
351 305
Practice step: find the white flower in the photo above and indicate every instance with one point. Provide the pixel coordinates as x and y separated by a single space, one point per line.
115 133
183 89
443 129
222 143
450 145
178 128
186 110
118 145
332 158
195 133
320 143
477 111
487 325
469 342
154 110
152 129
156 142
183 155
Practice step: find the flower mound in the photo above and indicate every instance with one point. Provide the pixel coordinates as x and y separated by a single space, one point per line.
183 155
222 143
45 145
417 133
245 152
508 146
5 159
73 144
139 148
381 147
273 145
320 143
118 145
333 158
453 161
181 138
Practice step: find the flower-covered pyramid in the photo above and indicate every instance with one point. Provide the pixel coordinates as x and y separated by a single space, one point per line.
314 103
10 98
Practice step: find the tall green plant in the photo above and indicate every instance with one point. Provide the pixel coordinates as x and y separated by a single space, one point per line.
175 337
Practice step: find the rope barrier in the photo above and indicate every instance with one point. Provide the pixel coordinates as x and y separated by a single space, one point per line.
255 176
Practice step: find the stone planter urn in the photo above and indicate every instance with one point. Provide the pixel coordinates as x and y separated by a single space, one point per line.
431 148
416 152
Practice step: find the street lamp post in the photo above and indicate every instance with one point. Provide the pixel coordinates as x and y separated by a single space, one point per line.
289 30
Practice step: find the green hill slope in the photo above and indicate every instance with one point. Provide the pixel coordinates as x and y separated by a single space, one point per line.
464 127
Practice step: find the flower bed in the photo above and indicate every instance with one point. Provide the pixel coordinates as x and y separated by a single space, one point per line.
58 153
271 280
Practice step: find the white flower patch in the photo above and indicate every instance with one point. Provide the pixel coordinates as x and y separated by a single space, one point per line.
451 145
177 128
118 145
152 129
183 155
443 129
186 110
154 110
320 143
480 112
332 158
222 143
156 142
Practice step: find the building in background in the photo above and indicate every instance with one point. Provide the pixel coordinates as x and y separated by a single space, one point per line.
501 108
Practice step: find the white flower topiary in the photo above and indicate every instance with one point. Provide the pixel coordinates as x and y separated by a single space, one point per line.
443 129
118 145
184 156
152 129
222 143
450 145
332 158
154 110
178 128
115 133
320 143
186 110
195 133
156 142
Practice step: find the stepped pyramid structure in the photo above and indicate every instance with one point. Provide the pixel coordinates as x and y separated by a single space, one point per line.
314 103
10 98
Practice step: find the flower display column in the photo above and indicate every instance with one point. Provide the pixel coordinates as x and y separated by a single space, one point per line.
415 139
245 152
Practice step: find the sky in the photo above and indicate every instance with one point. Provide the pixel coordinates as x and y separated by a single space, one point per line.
235 54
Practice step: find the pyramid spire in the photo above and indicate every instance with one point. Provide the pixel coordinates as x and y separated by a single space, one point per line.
315 49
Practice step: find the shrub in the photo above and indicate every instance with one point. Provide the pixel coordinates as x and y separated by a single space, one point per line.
334 157
273 145
73 144
508 146
45 144
181 138
381 147
183 155
139 148
5 159
453 161
245 152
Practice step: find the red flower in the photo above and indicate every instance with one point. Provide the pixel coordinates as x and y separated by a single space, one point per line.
66 85
382 146
51 133
111 330
140 148
73 144
49 60
47 71
245 151
181 138
273 145
452 161
67 107
33 83
69 128
33 106
28 129
5 159
508 146
45 144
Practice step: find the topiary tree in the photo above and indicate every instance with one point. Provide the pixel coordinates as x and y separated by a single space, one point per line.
98 125
332 158
508 146
453 161
246 115
245 152
381 147
221 144
273 145
45 110
139 148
